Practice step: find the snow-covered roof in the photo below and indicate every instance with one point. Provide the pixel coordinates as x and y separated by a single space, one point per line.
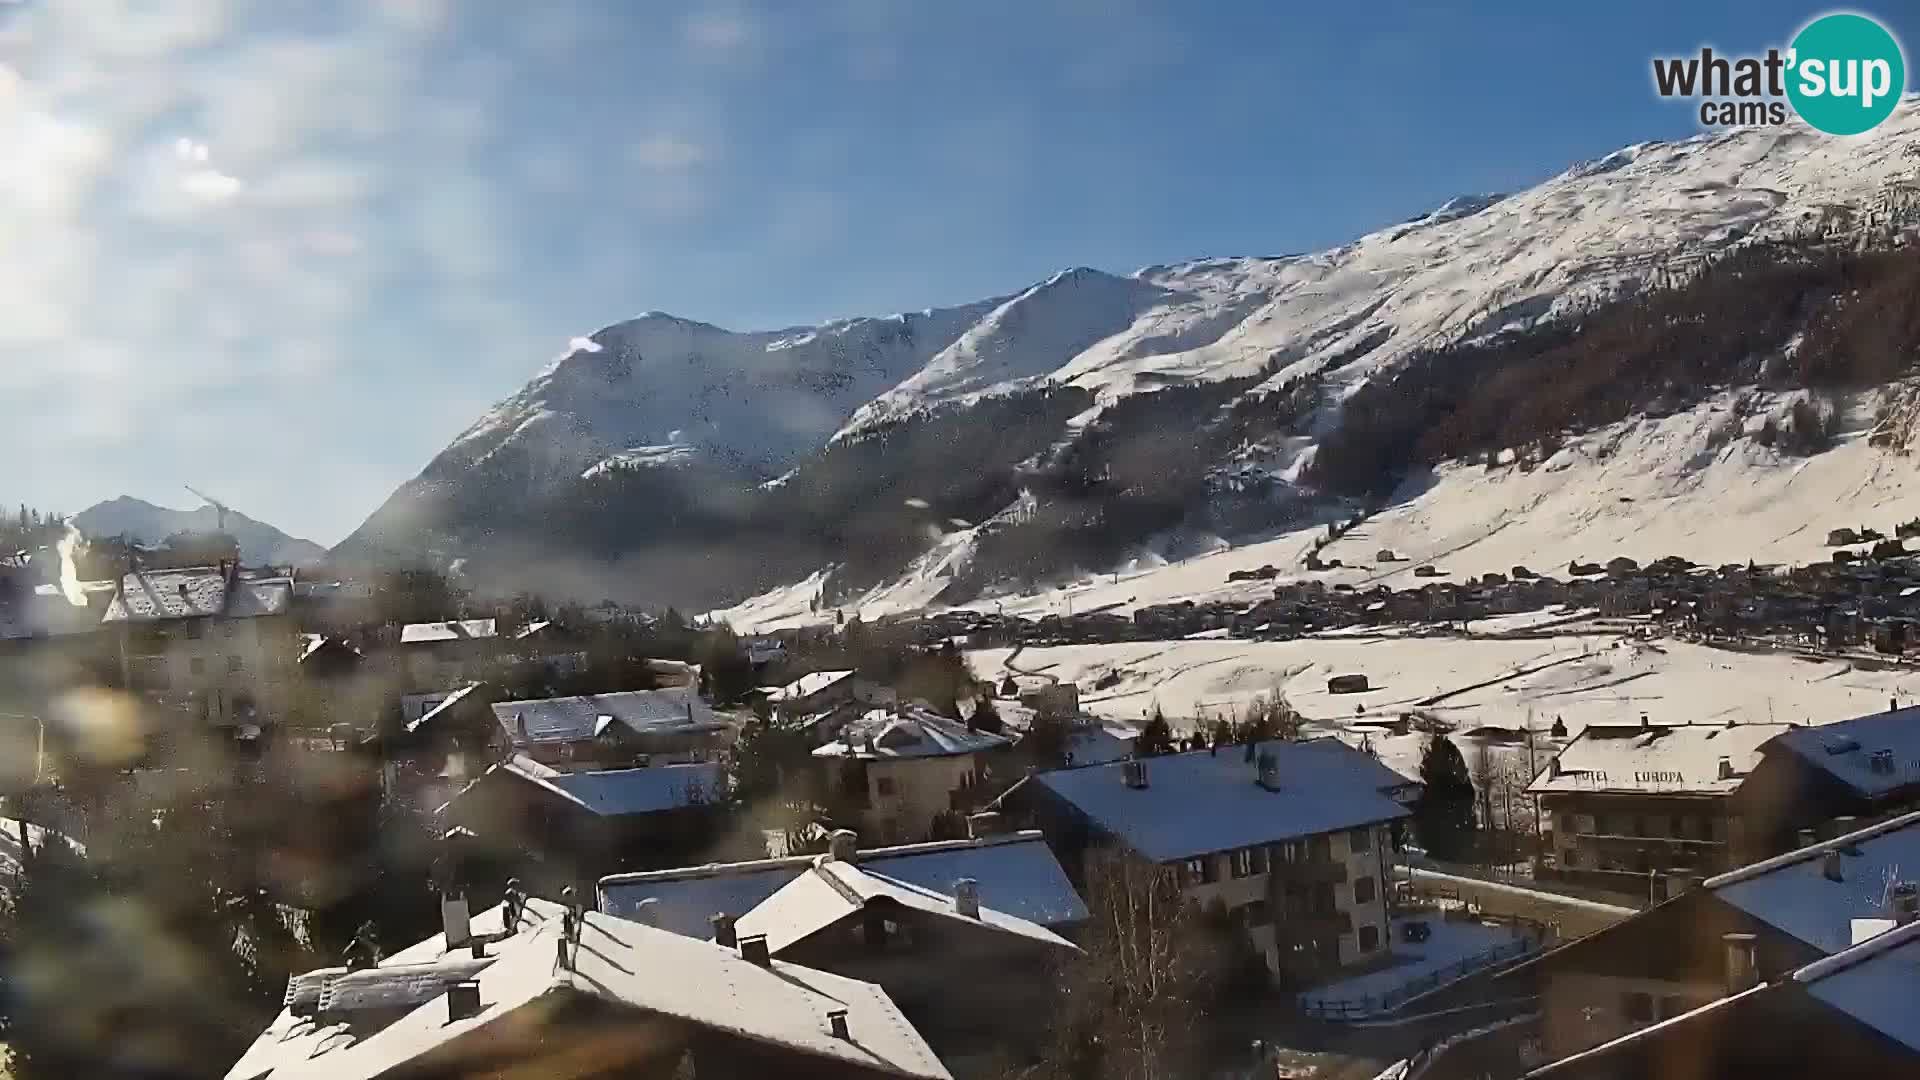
196 592
808 685
1792 893
829 891
446 705
453 630
291 1040
1017 874
1872 982
618 792
1672 760
1202 802
1845 750
674 710
624 964
909 733
533 629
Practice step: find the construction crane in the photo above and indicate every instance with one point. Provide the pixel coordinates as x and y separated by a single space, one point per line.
218 506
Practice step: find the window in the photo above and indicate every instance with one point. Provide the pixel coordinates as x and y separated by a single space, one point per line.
1249 861
1320 849
1323 900
1369 938
1200 871
1639 1008
197 665
1570 857
1360 841
1363 890
883 785
235 665
1256 913
1680 829
1568 824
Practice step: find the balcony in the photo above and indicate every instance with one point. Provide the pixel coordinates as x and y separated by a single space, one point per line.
1330 872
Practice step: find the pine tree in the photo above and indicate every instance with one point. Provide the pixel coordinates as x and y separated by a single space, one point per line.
1443 818
1155 738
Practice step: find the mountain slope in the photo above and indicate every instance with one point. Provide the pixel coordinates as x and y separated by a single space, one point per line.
260 544
660 392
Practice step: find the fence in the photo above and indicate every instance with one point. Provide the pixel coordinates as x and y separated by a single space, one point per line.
1372 1005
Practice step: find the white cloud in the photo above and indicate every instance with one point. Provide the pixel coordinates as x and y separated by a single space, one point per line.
667 153
718 31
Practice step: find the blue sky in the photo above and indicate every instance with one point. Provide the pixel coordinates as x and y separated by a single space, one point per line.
287 256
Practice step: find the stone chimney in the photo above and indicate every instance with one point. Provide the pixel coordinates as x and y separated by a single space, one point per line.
1743 967
843 845
1906 902
723 934
837 1022
1645 724
754 950
966 898
1726 768
1133 773
1830 867
454 919
986 823
1805 838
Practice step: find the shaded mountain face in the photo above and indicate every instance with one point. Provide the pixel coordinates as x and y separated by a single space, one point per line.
260 544
1174 374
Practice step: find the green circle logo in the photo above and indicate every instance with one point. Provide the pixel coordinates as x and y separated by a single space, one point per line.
1846 74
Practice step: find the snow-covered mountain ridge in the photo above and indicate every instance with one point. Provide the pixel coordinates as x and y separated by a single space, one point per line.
260 543
660 390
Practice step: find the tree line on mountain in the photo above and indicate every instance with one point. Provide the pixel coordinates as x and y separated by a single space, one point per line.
1780 316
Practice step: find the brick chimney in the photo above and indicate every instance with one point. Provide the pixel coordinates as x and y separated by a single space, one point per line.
984 824
1268 774
843 845
1743 967
1906 902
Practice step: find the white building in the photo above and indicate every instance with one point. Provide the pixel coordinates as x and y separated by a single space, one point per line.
899 770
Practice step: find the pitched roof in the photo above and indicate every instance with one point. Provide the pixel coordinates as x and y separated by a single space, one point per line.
913 732
807 685
453 630
1017 874
196 592
298 1036
618 792
1201 802
829 891
1873 983
448 704
674 710
1672 759
1792 893
651 971
1844 750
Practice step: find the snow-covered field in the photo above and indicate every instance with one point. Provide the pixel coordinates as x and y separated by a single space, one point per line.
1645 488
1469 682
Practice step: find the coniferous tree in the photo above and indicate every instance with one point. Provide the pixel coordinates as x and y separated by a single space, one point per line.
1443 818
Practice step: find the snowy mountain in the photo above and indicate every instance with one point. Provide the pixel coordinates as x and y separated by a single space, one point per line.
260 544
663 392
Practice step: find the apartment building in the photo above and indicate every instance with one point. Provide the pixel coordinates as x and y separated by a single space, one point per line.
1757 924
209 638
1293 839
1632 804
